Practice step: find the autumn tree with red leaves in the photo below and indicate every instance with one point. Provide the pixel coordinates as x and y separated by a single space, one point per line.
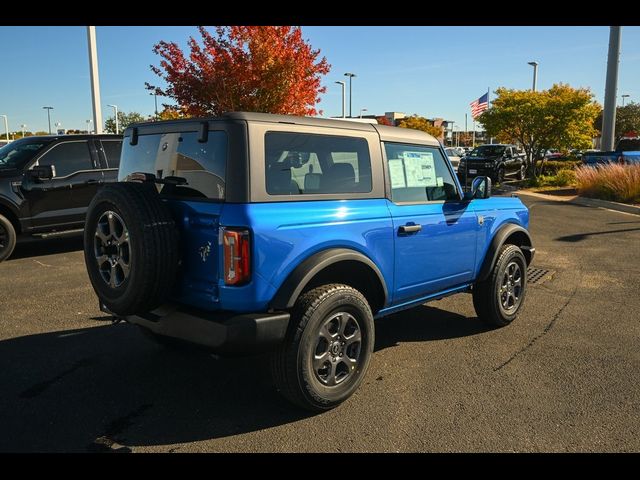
243 68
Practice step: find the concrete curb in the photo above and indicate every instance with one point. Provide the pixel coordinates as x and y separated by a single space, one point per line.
594 202
588 202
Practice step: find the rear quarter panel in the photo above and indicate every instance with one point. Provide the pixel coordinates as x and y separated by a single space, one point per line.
284 234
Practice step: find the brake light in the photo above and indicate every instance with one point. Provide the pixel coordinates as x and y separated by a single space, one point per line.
236 256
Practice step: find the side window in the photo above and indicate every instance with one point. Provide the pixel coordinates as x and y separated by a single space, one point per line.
112 150
68 158
419 174
301 163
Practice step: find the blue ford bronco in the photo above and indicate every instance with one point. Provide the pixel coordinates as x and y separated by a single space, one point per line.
255 232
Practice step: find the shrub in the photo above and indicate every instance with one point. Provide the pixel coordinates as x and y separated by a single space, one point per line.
564 178
552 167
620 183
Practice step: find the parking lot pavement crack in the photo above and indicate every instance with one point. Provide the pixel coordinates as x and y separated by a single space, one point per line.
546 330
107 441
39 388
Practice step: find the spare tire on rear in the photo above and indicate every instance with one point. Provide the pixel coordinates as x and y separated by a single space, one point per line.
130 247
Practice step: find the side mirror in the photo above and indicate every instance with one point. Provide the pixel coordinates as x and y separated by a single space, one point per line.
480 188
43 172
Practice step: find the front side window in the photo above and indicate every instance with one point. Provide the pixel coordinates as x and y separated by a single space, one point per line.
419 174
68 158
201 164
300 163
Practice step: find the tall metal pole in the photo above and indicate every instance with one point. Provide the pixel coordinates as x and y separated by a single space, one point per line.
626 95
6 126
23 126
465 124
611 91
535 74
344 97
155 100
48 109
95 80
115 112
350 75
473 142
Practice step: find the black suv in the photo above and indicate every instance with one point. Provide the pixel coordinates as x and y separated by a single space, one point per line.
47 182
495 161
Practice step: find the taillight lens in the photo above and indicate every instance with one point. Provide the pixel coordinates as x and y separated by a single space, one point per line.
237 254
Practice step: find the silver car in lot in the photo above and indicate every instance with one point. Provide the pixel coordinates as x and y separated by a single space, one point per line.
454 157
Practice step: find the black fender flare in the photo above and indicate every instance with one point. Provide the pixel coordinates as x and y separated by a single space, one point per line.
291 288
14 214
504 232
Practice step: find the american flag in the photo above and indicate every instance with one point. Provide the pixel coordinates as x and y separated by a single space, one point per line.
480 105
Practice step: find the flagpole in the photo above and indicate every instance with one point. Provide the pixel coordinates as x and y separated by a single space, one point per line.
488 105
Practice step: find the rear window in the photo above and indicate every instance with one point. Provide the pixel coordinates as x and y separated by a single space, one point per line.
202 165
629 145
300 163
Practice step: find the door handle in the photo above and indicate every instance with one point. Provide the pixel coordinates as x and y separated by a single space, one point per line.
92 182
410 228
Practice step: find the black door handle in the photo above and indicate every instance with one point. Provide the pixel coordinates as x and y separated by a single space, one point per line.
409 228
92 182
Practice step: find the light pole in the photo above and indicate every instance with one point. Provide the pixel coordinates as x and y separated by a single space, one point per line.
23 126
611 90
626 95
363 110
115 113
57 125
89 125
344 99
48 109
155 99
6 125
350 75
535 74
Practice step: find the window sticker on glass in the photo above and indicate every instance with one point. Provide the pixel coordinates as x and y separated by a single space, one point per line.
420 169
396 170
439 181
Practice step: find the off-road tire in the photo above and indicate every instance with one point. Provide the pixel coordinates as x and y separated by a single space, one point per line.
487 295
153 247
292 364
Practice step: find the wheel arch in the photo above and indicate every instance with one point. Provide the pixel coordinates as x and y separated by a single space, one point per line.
335 265
509 233
6 210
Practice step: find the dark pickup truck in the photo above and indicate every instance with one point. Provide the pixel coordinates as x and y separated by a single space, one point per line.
47 183
627 151
493 160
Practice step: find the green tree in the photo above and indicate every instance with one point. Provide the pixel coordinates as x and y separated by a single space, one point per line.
561 117
124 120
627 120
420 123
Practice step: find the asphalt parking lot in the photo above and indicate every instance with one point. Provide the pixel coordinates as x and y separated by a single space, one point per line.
563 377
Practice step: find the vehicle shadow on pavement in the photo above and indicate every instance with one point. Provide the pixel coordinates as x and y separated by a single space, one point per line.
425 323
37 247
108 388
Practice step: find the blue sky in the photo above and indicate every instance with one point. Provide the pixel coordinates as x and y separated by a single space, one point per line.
432 71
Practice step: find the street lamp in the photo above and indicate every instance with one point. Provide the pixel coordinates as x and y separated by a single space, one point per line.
48 109
155 99
23 126
57 125
89 125
626 95
363 110
6 125
344 100
350 75
115 113
535 74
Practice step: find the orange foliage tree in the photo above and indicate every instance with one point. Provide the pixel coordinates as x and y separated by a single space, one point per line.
243 68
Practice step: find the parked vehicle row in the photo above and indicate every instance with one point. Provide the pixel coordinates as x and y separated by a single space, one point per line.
496 161
627 151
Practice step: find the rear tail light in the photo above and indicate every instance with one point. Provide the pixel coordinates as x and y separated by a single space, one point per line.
236 256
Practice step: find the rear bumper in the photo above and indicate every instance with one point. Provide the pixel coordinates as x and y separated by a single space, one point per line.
220 332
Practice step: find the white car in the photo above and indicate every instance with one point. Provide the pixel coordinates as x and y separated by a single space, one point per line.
454 157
